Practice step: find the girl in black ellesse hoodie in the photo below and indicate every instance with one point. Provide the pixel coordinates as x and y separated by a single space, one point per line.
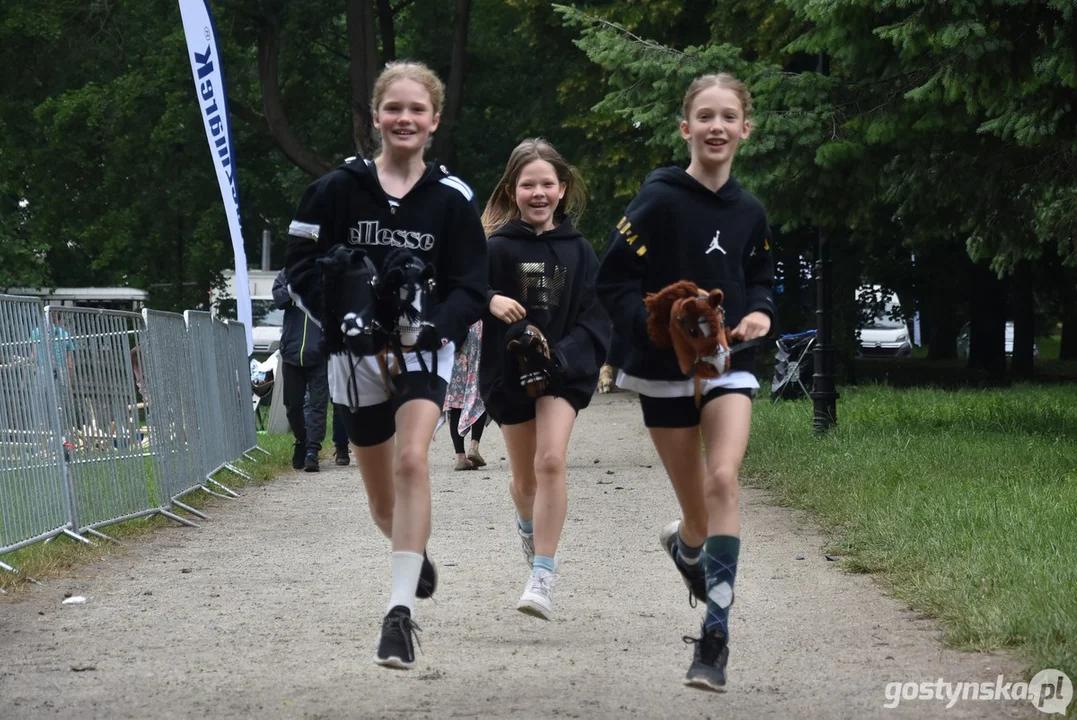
542 270
383 206
697 225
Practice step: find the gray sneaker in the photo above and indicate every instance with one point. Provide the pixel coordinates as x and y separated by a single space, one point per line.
707 671
693 575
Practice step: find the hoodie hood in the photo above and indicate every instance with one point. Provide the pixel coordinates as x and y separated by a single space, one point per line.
519 230
366 172
678 177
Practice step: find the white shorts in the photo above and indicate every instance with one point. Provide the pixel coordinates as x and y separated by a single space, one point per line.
368 378
737 379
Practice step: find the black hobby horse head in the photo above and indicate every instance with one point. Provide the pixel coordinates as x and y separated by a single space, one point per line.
404 296
348 316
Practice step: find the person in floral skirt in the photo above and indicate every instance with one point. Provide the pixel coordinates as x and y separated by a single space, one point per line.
463 405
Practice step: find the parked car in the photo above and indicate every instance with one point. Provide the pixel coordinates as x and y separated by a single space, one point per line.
966 332
268 321
886 334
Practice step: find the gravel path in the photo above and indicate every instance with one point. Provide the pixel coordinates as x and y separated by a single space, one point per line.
271 609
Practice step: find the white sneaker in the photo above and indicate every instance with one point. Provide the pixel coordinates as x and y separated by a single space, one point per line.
537 599
528 542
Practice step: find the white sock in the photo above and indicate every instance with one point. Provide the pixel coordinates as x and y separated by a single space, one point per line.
406 569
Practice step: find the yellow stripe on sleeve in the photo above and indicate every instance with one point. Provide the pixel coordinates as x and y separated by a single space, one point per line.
642 250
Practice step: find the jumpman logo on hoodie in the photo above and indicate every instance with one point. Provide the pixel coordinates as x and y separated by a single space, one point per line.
714 244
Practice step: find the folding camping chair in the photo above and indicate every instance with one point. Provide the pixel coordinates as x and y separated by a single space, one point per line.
794 366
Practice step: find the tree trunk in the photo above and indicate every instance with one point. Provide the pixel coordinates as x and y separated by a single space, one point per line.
178 290
987 324
386 17
1022 365
444 143
1067 348
363 50
848 269
941 333
272 106
943 274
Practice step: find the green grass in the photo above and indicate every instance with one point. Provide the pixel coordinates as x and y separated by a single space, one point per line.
963 504
62 555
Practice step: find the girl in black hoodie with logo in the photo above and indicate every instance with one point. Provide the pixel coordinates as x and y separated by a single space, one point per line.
542 275
393 203
697 225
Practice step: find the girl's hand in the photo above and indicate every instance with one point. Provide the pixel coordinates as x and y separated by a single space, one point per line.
753 325
506 309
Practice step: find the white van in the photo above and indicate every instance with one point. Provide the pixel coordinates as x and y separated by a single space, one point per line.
885 335
267 320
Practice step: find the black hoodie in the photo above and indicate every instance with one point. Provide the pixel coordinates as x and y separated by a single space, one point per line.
553 276
437 220
677 229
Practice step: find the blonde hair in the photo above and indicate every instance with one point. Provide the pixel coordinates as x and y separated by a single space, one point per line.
722 80
501 207
407 70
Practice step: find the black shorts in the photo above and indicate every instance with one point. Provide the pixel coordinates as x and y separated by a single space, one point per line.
681 412
516 410
374 424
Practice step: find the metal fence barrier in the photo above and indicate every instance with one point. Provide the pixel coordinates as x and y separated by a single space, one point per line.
34 500
208 367
112 472
246 430
107 416
166 382
228 391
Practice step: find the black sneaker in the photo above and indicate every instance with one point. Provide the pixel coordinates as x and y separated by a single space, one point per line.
694 576
343 457
428 579
708 661
396 648
311 463
298 453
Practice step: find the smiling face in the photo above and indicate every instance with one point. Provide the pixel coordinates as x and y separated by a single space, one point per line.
405 117
715 126
537 194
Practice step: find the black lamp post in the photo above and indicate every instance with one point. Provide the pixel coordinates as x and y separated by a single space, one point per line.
824 396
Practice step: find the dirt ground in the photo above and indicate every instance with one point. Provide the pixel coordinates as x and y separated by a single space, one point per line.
272 609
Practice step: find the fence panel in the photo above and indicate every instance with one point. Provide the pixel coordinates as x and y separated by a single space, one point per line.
112 472
166 382
34 503
227 390
248 435
204 369
107 416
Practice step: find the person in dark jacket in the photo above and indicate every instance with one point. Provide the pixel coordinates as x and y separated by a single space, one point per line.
306 385
696 225
389 204
303 369
542 274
